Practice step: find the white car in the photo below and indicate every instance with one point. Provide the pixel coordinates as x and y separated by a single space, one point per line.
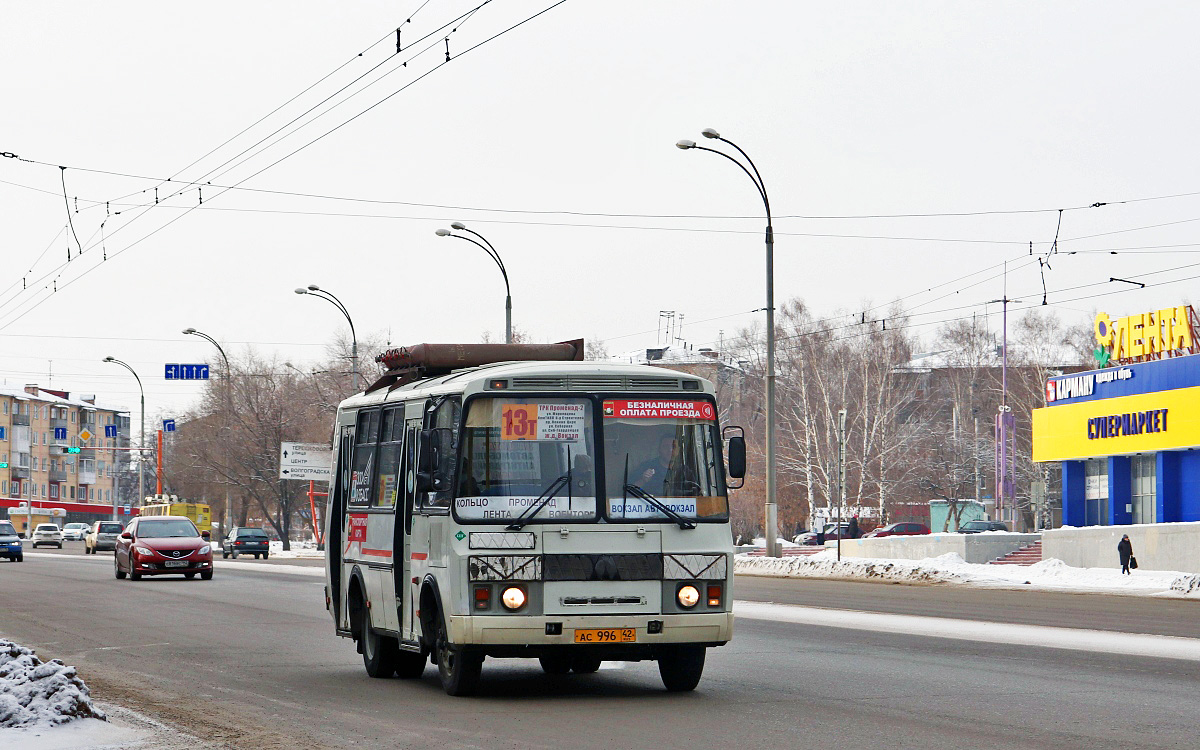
47 533
74 532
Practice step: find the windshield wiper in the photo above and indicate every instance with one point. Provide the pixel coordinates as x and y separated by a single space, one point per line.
641 494
544 499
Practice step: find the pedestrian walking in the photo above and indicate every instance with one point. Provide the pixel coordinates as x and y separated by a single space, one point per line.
1125 550
853 531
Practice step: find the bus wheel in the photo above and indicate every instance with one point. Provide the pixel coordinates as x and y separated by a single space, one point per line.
378 651
458 668
557 664
585 664
681 667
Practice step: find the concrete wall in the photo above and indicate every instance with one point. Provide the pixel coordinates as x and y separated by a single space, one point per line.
1163 546
974 548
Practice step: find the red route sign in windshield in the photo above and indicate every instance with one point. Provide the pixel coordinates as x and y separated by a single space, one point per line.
658 409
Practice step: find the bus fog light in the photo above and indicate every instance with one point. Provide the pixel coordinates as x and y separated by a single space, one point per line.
513 598
687 596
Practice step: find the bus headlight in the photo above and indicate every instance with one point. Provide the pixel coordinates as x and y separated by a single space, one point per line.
513 598
687 596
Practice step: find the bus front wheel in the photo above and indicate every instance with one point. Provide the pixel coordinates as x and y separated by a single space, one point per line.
458 668
681 667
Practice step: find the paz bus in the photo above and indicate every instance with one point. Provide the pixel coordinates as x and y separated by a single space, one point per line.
170 505
512 500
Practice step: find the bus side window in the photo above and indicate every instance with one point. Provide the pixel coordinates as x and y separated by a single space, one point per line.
391 441
366 436
446 415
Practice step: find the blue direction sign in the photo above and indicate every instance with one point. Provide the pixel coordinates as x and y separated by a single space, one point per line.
60 433
185 372
168 425
110 430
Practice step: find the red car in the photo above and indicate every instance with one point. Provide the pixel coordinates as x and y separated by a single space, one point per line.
898 529
162 545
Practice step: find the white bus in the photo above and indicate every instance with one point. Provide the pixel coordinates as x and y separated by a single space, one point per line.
569 511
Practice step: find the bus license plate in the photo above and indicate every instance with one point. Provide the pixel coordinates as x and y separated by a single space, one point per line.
176 563
606 635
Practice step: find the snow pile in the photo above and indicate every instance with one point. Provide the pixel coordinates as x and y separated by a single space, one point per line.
1047 575
306 550
34 692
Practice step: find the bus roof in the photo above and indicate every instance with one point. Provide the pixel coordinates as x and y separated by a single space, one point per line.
541 377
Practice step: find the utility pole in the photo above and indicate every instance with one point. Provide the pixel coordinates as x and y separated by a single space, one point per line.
841 475
1005 456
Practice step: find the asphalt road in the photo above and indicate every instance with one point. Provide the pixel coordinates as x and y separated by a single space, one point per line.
249 660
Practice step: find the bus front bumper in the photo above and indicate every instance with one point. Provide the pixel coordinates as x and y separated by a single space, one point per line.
517 630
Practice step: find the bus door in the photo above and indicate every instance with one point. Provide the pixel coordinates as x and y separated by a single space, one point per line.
411 544
336 518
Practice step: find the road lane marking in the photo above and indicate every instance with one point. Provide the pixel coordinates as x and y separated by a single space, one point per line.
1075 639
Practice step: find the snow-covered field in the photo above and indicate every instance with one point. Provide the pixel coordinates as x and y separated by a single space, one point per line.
1048 575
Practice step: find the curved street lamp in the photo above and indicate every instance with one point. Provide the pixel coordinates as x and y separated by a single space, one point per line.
486 246
227 522
142 445
756 178
320 293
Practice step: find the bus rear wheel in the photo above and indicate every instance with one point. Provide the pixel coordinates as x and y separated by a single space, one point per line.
378 651
681 667
585 664
458 668
557 664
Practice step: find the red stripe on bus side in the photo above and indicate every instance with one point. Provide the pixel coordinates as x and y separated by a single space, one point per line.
377 552
419 555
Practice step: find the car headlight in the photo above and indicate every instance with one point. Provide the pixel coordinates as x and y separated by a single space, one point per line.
205 550
687 596
143 550
513 598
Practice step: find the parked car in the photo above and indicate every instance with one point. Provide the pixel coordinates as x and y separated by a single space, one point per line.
246 540
46 533
10 542
974 527
832 531
162 545
101 536
898 529
74 532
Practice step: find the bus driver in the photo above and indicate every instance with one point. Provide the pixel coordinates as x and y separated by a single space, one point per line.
664 474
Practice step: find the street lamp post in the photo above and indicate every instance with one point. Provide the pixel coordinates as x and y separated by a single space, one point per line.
486 246
228 416
317 291
142 439
756 178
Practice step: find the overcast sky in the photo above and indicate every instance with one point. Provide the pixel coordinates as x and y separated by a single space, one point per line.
849 110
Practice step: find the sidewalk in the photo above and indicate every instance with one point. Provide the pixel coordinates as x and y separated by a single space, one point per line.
1048 575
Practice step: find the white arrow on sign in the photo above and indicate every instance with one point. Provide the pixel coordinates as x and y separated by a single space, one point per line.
305 461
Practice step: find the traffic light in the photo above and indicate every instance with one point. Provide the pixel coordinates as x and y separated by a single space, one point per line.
72 449
3 464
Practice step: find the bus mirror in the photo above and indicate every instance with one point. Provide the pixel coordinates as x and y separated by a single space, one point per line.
737 457
736 454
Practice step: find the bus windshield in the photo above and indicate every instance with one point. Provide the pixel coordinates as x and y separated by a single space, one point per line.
532 456
667 448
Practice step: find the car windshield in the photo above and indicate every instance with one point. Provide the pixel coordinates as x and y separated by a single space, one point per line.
6 529
109 528
46 527
181 527
76 526
253 533
667 448
517 453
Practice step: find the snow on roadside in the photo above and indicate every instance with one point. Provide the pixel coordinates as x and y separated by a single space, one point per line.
33 692
305 550
1047 575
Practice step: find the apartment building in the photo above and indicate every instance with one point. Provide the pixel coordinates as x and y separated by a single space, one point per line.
59 450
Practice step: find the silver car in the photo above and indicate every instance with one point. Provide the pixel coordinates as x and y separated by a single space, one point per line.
46 533
101 536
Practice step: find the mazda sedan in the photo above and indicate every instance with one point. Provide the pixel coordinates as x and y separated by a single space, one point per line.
162 545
